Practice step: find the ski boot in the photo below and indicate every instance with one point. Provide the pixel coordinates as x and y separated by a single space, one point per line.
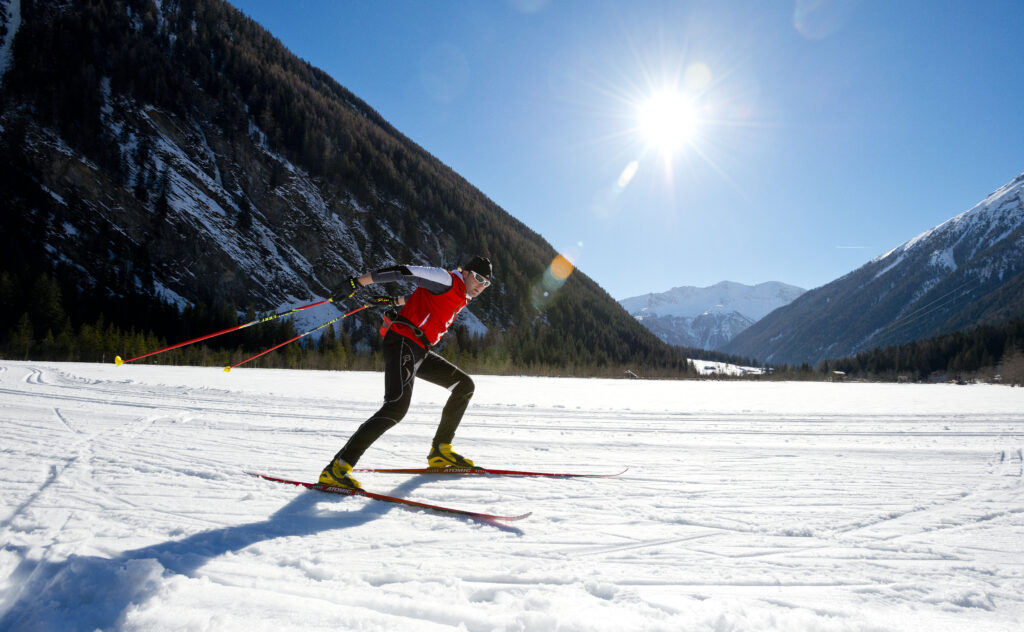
442 456
338 474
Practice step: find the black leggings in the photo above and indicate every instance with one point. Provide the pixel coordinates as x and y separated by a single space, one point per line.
404 361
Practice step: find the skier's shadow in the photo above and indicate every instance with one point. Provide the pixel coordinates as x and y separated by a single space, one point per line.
89 593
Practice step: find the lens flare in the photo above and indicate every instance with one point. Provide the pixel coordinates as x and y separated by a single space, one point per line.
627 175
561 268
543 293
697 78
820 19
605 201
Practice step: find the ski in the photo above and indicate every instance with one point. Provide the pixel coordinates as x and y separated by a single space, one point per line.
481 471
393 499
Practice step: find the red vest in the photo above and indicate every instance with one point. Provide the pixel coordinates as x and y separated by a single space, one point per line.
432 313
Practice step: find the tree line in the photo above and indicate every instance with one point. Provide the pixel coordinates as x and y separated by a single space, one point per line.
49 319
981 353
38 323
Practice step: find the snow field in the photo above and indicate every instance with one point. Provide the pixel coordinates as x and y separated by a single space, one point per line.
747 506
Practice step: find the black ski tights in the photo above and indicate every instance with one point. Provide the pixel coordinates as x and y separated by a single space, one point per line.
404 361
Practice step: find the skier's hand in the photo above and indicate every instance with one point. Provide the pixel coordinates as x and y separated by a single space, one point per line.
385 301
347 288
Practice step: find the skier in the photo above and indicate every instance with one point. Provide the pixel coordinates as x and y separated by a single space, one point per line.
425 317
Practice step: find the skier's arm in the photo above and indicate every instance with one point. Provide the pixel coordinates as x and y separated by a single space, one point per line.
434 280
365 280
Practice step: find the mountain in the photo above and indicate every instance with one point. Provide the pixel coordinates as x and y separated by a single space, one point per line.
709 317
966 271
177 152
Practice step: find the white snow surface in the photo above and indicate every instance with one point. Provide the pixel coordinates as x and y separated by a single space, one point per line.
746 506
712 367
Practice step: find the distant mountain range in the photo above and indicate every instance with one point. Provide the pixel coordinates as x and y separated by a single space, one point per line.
708 317
964 272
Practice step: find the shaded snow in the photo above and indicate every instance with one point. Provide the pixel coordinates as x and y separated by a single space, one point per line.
892 265
944 259
10 12
747 506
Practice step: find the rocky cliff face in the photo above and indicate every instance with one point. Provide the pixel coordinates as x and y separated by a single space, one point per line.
196 216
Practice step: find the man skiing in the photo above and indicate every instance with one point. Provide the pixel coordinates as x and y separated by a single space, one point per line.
426 315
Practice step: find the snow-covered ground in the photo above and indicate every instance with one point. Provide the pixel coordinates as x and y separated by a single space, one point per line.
711 367
747 506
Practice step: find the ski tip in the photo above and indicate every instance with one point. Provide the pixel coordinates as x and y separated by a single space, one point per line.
227 369
118 361
514 518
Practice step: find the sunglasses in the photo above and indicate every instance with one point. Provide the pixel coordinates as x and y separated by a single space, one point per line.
481 279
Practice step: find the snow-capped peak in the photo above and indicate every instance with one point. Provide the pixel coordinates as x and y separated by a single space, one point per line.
752 301
708 317
998 215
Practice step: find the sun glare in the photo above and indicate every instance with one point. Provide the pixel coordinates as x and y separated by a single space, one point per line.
668 121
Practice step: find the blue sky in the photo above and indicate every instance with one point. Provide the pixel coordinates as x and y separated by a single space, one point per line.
807 136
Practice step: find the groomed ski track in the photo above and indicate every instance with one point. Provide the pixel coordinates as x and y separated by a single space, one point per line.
747 506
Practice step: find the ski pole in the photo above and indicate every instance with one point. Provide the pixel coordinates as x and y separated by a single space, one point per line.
261 353
118 361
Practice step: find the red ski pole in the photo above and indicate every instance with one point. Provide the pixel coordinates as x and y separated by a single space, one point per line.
262 353
118 361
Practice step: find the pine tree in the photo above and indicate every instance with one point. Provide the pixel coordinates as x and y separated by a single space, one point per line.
21 339
47 308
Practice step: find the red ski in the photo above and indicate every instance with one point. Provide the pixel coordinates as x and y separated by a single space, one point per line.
480 471
393 499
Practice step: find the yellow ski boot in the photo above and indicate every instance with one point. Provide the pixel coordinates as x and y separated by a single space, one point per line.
338 474
442 456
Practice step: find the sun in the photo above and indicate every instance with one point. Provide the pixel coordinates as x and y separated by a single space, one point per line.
668 121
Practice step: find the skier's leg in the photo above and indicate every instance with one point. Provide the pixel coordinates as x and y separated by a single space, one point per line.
437 370
401 360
